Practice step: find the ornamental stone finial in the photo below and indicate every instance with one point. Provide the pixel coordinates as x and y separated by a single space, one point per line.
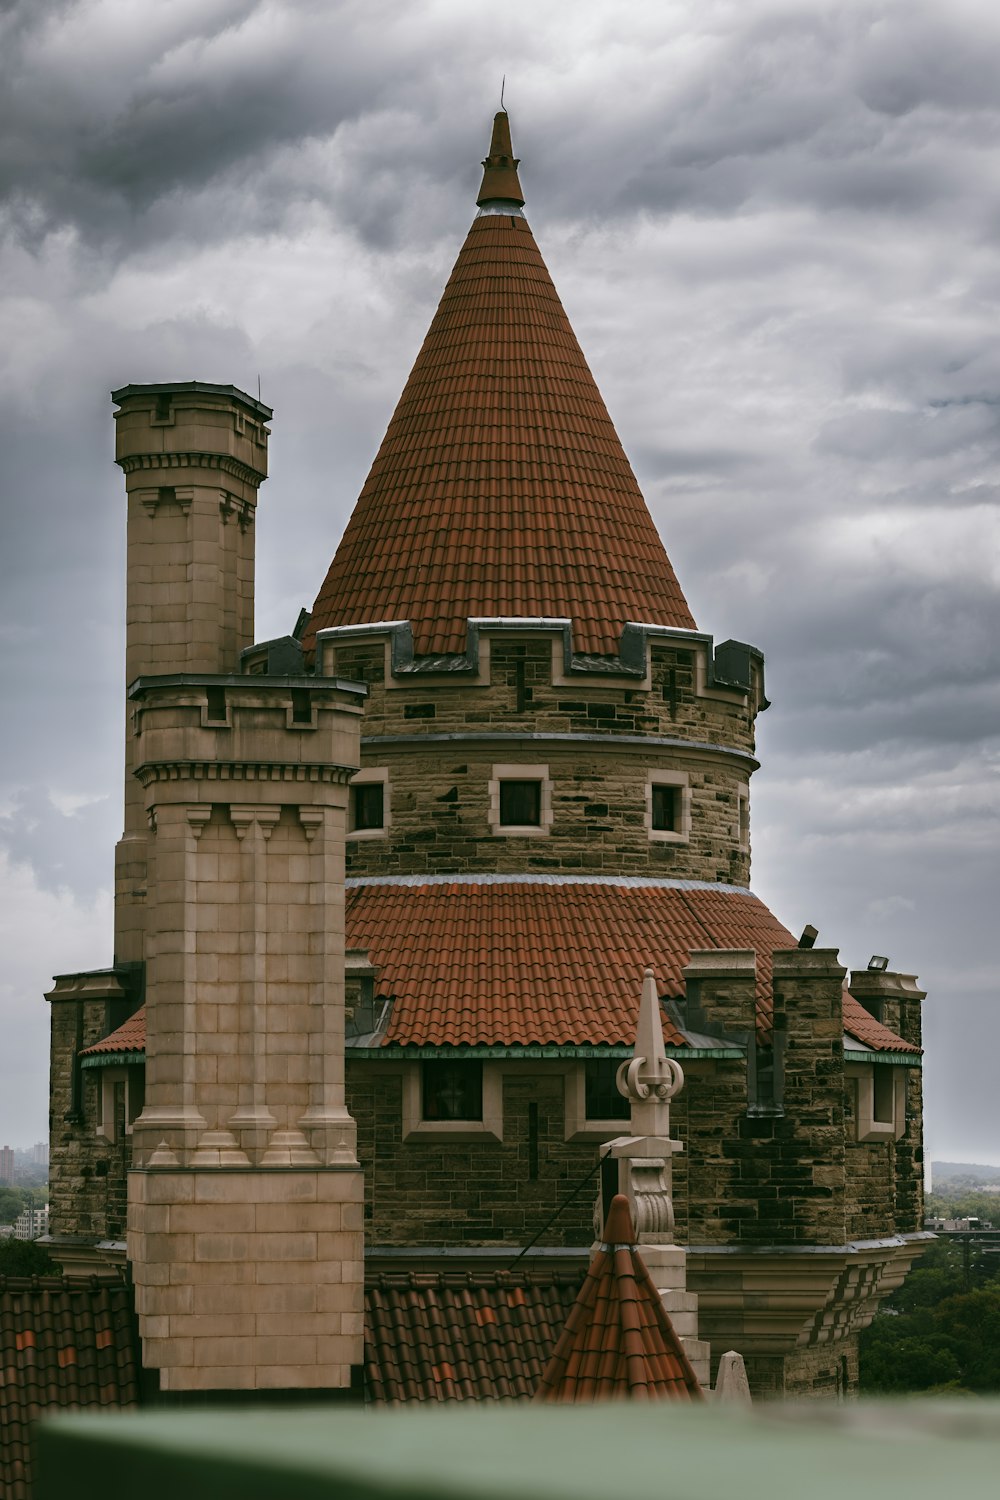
650 1079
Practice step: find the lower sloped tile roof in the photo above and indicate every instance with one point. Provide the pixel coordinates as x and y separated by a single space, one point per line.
64 1345
453 1336
545 963
555 963
618 1340
129 1037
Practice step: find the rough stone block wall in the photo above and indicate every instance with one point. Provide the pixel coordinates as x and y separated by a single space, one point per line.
521 696
440 796
478 1192
909 1160
823 1370
87 1173
870 1198
885 1179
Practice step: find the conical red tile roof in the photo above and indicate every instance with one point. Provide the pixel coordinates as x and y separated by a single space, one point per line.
618 1340
501 487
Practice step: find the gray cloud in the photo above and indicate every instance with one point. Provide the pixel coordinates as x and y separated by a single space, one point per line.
773 229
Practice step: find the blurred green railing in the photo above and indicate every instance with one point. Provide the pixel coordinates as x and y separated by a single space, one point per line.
910 1451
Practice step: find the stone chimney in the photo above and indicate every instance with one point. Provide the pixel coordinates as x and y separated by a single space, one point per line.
245 1195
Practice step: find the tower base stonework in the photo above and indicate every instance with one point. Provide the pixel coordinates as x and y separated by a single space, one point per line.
248 1279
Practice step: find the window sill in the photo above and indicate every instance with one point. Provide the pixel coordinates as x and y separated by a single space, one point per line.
455 1130
598 1131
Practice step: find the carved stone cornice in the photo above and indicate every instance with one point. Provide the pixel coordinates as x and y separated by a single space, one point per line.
772 1299
220 462
242 771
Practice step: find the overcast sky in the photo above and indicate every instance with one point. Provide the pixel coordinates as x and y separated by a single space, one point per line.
774 227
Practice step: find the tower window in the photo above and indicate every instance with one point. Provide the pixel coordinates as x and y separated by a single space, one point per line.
370 808
367 806
520 800
668 807
665 809
521 803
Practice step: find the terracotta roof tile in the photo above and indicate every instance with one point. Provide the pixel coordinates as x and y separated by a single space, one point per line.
545 965
450 1336
500 448
62 1345
129 1037
558 965
618 1340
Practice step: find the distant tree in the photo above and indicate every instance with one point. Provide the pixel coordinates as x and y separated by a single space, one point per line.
25 1258
937 1333
12 1200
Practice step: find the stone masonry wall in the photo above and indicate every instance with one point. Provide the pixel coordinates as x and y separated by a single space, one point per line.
479 1192
87 1182
823 1371
440 793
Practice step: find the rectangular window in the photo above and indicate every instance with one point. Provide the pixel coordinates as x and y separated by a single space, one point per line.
601 1096
452 1090
368 805
666 808
521 804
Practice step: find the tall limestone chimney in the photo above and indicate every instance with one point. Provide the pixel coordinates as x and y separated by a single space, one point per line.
245 1194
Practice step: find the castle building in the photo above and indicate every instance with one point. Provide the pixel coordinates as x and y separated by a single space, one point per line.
403 869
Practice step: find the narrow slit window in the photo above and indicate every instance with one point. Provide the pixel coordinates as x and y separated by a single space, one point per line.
301 706
884 1095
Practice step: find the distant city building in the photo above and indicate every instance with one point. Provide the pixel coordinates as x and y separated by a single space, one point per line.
39 1154
957 1226
31 1223
6 1164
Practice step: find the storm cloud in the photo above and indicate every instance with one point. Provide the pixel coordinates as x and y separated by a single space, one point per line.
774 229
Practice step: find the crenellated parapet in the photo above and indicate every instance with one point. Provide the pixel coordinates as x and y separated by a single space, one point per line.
645 774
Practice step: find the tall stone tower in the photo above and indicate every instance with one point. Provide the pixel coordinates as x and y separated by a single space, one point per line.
554 796
244 1222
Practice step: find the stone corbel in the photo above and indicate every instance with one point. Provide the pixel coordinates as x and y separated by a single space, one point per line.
242 818
232 505
152 499
312 820
198 816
